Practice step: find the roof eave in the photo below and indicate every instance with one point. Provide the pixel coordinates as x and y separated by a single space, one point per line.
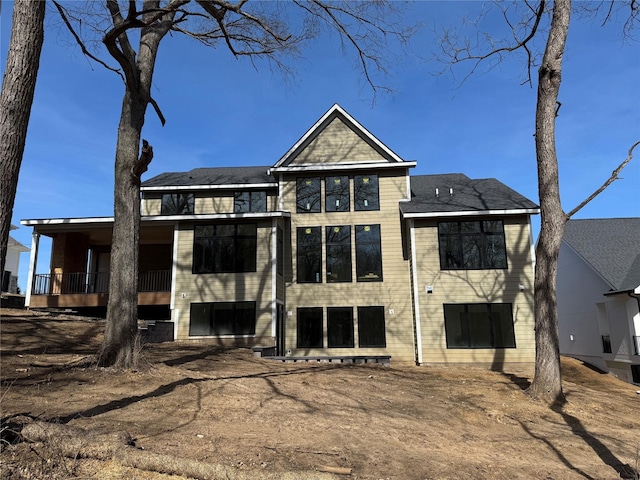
469 213
319 167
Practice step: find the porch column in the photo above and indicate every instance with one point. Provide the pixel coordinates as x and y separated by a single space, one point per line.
33 260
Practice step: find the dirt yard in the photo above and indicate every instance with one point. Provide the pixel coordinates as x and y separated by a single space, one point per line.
225 411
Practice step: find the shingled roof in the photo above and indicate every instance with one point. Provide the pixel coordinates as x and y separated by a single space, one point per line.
611 246
219 176
458 193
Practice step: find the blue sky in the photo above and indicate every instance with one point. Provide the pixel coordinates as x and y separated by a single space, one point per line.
223 111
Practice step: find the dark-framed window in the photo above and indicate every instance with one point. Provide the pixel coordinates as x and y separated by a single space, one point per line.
336 194
308 195
365 192
250 201
472 245
338 239
371 329
309 254
479 325
340 327
368 253
309 331
177 203
222 318
225 248
635 373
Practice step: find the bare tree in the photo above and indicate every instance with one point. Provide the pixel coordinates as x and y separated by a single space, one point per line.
268 30
18 87
547 381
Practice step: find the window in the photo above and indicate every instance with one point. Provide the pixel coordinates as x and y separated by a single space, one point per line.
308 195
336 194
340 327
368 253
472 245
339 254
479 325
177 203
635 373
250 202
223 318
224 248
606 344
365 192
310 327
371 331
309 254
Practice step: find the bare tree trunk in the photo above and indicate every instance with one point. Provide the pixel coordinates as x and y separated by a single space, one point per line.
18 87
547 382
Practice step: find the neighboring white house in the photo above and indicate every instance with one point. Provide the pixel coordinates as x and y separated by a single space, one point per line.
12 264
599 294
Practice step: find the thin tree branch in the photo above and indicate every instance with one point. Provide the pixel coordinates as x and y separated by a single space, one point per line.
158 111
610 180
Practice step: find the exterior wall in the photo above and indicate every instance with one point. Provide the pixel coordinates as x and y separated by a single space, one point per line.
206 202
392 293
337 143
224 287
151 204
475 286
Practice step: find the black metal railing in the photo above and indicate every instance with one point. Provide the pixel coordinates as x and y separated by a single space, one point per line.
97 282
606 343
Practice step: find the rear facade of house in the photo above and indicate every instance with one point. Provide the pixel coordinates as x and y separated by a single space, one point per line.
333 251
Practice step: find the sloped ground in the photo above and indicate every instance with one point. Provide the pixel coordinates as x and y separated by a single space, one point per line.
271 420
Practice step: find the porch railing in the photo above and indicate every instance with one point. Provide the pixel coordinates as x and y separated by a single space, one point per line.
97 282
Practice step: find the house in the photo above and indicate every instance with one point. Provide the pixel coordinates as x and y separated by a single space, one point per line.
12 264
332 251
598 290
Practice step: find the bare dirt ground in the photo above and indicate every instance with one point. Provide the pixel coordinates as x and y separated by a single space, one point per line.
261 419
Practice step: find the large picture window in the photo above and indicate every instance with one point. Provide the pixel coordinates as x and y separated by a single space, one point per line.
365 192
177 204
250 201
222 318
309 254
371 331
308 195
224 248
310 327
368 253
336 192
479 325
338 254
473 245
340 327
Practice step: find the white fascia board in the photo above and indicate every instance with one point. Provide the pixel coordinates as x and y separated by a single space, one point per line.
231 186
315 167
354 123
213 216
523 211
65 221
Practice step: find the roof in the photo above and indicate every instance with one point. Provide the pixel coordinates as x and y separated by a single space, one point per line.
455 193
611 246
212 177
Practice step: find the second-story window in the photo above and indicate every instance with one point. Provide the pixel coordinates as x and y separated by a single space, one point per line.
474 245
336 192
339 254
177 204
224 248
365 192
368 253
308 195
250 201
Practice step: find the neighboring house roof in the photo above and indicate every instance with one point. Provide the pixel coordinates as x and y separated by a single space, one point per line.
438 195
16 245
611 246
199 178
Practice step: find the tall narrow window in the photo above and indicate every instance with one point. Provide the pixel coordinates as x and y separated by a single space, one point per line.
365 192
371 331
339 254
308 195
479 325
250 201
340 327
368 253
309 329
223 318
224 248
473 245
309 254
177 204
336 192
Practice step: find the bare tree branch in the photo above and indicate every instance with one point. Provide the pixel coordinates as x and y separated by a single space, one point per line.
610 180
